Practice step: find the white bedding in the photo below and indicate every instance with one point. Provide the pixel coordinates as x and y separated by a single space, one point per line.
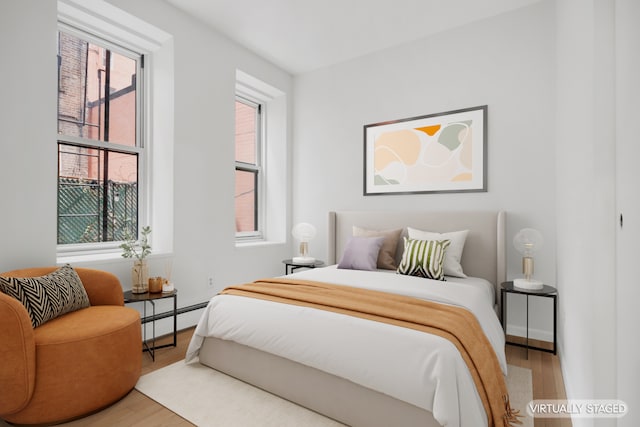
421 369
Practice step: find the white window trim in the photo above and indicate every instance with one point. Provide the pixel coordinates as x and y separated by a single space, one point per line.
258 167
108 22
273 200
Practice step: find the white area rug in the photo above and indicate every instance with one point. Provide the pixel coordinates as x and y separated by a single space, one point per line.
207 397
520 388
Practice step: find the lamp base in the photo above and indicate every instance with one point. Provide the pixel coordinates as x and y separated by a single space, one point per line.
530 284
303 260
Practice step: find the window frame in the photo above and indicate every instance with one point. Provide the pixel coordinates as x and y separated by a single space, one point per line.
257 169
140 148
110 22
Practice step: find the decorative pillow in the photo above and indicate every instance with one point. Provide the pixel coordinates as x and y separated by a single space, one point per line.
47 297
452 266
361 253
423 258
387 255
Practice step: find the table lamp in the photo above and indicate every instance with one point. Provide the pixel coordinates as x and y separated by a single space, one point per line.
304 232
527 241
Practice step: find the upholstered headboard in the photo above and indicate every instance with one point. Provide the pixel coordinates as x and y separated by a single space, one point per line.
484 251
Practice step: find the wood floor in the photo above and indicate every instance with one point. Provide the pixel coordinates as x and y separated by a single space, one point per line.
136 409
545 374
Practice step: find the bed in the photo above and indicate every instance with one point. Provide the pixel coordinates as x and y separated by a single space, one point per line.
413 379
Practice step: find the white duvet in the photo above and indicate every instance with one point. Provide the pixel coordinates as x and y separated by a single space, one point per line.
421 369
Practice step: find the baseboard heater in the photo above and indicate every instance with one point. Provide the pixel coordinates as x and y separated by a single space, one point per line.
180 311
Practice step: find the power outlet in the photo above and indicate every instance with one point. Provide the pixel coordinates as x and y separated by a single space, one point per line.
210 282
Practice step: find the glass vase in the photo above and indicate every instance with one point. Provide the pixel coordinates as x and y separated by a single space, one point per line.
140 277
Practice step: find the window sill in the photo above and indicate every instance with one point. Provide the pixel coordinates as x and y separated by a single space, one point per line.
94 258
256 243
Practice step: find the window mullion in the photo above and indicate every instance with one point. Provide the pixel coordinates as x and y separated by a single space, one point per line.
83 142
247 167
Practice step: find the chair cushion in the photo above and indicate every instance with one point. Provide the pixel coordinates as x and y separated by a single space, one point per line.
47 297
87 323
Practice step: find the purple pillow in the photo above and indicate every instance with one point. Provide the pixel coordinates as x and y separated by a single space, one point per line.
361 253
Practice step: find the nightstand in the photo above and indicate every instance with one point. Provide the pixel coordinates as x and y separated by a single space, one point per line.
546 292
290 266
130 297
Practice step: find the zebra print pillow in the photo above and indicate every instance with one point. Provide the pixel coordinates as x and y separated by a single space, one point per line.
47 297
423 258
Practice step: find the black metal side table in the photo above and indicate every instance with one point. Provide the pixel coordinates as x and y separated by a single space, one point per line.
130 297
546 292
290 266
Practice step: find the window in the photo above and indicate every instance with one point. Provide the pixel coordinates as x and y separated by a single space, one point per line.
248 179
261 162
113 168
100 150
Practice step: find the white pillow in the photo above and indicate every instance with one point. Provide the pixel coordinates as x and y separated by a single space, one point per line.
453 255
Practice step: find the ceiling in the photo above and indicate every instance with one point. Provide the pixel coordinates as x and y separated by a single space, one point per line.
304 35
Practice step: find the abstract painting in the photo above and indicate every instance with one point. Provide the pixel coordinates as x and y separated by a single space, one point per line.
443 152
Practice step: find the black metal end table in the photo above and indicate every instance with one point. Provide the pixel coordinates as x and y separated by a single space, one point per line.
290 266
130 297
546 292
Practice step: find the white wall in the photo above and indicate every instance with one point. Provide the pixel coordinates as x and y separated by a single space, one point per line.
204 90
205 76
28 121
506 62
628 200
586 199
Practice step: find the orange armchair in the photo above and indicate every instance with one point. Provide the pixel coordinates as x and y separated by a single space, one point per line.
73 365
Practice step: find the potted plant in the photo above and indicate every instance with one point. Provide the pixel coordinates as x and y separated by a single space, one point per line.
131 248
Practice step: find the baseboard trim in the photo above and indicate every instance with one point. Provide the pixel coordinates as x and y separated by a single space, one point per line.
536 334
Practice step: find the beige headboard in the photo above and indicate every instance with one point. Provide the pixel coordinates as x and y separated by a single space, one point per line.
484 251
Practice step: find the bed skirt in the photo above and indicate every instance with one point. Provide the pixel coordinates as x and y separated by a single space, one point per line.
327 394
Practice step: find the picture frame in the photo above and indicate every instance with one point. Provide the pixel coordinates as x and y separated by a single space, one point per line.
435 153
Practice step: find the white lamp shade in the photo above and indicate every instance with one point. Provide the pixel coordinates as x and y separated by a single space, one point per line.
527 241
304 232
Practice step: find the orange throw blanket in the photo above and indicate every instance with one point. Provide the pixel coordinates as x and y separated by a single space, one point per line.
456 324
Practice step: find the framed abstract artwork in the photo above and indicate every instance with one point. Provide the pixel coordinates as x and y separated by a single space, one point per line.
443 152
